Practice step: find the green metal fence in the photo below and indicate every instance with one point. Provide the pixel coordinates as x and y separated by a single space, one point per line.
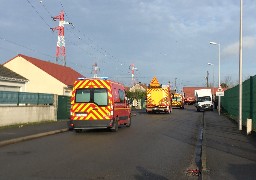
230 102
63 107
9 97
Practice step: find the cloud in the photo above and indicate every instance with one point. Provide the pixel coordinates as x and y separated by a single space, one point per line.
233 49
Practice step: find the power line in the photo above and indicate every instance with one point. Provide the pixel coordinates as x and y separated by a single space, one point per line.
95 47
38 14
45 8
94 50
90 44
25 47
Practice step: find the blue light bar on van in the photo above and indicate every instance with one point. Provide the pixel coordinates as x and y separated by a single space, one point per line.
104 78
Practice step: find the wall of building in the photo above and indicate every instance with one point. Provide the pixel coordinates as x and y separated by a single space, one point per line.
12 86
137 87
39 80
11 115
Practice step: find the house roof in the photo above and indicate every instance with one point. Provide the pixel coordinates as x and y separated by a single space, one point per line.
190 91
64 74
9 75
139 86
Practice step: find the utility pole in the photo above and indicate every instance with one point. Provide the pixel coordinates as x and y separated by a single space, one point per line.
175 83
60 49
207 79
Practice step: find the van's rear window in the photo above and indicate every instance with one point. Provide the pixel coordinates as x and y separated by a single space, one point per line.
98 96
83 95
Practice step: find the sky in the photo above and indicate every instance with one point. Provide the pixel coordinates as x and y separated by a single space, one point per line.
168 39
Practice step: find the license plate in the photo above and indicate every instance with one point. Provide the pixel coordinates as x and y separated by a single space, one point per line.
81 114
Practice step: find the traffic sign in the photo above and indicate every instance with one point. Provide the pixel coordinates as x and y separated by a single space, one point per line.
220 92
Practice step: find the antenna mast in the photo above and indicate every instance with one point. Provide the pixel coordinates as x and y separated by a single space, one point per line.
60 49
132 68
95 70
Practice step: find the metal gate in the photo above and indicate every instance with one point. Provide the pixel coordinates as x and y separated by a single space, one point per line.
63 111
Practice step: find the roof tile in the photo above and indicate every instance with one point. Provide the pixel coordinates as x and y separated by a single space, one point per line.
64 74
9 74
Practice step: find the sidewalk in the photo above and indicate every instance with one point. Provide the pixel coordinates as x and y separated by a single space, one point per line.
13 134
227 152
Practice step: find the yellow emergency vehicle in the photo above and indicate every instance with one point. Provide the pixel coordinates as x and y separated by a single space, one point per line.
178 100
158 97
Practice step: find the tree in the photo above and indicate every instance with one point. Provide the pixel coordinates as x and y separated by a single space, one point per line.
137 94
224 85
227 82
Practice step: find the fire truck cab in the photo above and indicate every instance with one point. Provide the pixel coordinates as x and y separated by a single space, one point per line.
98 103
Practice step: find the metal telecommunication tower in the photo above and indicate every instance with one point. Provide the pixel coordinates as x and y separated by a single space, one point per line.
60 49
132 68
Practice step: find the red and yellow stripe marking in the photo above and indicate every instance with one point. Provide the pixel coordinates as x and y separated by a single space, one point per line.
150 100
93 111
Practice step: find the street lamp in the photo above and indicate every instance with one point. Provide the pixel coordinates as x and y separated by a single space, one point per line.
214 43
241 68
210 64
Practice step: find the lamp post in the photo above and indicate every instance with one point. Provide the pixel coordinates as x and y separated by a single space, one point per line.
241 68
214 43
210 64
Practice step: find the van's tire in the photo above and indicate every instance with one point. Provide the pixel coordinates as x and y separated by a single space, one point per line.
169 111
115 127
130 122
78 130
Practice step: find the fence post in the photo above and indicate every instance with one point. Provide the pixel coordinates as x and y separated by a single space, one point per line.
18 99
37 98
251 97
55 104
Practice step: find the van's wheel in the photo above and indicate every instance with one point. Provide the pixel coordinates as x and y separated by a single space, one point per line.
168 111
130 122
78 130
115 127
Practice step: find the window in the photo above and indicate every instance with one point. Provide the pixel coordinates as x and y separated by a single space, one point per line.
204 98
83 95
121 95
101 97
178 99
98 96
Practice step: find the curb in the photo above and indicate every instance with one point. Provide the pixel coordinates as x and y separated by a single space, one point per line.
204 166
203 155
34 136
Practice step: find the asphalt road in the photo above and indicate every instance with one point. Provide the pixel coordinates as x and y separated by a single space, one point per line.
156 146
